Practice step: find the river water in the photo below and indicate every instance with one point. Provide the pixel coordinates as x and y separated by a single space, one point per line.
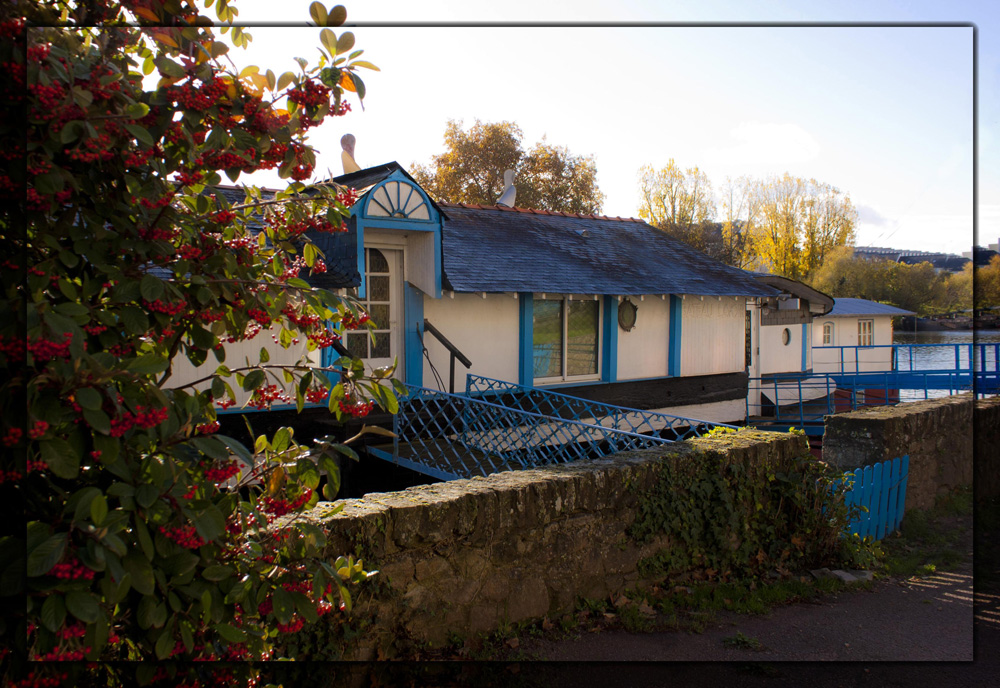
928 354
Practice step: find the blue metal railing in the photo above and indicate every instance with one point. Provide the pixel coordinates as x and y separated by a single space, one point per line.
451 436
803 399
553 404
978 356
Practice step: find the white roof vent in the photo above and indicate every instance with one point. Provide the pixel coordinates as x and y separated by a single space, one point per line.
509 192
347 142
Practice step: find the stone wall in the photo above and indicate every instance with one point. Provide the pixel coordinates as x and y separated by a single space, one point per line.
937 435
471 555
986 440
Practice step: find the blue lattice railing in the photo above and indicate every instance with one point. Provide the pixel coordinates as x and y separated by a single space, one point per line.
554 404
451 436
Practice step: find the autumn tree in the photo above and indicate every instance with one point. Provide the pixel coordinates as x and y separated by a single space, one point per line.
121 260
918 288
679 202
546 177
987 284
739 212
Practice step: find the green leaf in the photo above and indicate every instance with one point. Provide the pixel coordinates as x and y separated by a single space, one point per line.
71 131
217 572
82 605
253 380
134 319
359 86
140 134
145 541
329 41
44 556
53 612
336 16
285 79
149 364
209 523
168 67
283 605
98 420
230 633
264 355
151 287
98 509
62 459
345 42
138 566
137 110
88 398
164 644
318 13
365 64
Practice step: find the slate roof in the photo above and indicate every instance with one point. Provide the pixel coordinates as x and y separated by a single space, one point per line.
497 249
847 307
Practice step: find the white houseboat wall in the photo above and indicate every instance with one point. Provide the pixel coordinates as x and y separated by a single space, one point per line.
609 309
783 327
855 336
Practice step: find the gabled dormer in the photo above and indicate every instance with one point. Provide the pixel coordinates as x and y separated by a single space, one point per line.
393 205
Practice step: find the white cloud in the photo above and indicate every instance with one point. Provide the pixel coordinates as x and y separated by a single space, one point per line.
766 143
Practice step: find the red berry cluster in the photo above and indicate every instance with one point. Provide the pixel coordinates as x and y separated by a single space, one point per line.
38 430
260 316
161 202
185 536
348 197
11 476
310 94
71 570
357 409
161 306
189 177
94 149
46 350
303 320
35 679
95 329
143 418
352 323
317 394
263 397
324 338
224 216
192 97
157 234
280 507
318 267
13 437
225 403
224 472
207 428
36 465
57 655
12 348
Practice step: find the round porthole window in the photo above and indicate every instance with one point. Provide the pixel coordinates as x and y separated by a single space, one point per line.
786 336
626 315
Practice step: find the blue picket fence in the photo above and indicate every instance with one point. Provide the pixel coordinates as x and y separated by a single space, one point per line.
881 490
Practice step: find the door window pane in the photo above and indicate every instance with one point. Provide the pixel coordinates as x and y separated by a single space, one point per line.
548 338
581 342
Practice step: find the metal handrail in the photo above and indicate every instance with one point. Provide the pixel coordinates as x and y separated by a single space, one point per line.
452 349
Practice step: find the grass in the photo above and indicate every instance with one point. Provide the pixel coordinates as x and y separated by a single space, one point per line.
931 540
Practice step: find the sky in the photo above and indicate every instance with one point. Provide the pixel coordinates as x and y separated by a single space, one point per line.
886 114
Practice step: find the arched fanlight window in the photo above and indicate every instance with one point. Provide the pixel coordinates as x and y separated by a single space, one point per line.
398 200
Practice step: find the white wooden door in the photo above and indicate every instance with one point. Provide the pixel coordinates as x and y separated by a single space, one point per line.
384 303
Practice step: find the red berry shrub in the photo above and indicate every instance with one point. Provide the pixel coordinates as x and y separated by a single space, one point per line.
121 260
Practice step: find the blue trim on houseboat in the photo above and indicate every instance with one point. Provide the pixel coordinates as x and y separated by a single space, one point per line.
674 345
609 355
526 352
805 345
413 314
